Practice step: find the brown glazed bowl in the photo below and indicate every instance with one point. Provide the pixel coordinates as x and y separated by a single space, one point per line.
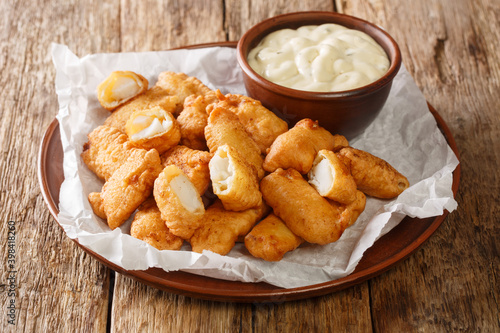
346 112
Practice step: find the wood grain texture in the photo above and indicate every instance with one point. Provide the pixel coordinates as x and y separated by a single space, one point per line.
451 284
451 49
57 286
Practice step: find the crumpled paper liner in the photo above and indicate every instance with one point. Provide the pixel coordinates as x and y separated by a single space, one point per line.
405 134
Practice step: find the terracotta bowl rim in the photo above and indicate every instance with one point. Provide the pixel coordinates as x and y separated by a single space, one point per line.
247 39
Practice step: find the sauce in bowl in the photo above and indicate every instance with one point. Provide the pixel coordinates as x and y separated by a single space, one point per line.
321 58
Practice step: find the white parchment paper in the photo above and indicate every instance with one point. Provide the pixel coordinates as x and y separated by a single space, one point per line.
405 134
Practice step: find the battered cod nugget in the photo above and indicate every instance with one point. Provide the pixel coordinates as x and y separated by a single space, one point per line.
194 163
271 239
181 85
193 119
234 181
108 149
306 213
262 125
224 128
331 178
350 213
179 202
373 175
120 87
153 128
298 147
129 186
221 228
155 96
150 228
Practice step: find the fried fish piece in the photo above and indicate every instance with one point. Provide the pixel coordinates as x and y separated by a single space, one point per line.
234 181
331 178
270 239
153 128
224 128
193 119
107 149
149 227
128 187
221 228
306 213
181 85
120 87
261 124
298 147
373 176
194 164
155 96
179 202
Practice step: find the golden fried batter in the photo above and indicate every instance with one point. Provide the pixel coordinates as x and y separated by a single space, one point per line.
306 213
331 178
179 202
194 164
153 128
261 124
221 228
107 149
271 239
120 87
373 175
298 147
193 119
155 96
181 85
128 187
225 128
150 228
234 181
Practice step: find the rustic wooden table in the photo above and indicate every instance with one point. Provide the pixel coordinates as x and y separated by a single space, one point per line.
451 47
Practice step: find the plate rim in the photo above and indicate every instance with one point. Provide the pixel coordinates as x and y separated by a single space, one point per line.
268 292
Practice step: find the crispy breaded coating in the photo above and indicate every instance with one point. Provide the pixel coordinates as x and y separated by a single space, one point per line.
224 128
234 181
181 85
106 150
298 147
153 128
271 239
306 213
221 228
194 164
120 87
373 175
128 187
331 178
179 202
97 205
193 119
261 124
149 227
155 96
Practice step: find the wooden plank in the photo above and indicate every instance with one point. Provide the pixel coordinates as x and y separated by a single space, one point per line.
451 49
57 286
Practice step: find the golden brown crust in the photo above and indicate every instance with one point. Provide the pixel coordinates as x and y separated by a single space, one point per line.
149 227
155 96
271 239
298 147
261 124
105 91
306 213
373 175
194 163
224 128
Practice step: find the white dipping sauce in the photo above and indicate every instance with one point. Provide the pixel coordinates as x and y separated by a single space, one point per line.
323 58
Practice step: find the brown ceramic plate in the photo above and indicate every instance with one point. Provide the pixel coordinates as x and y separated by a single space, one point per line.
390 249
